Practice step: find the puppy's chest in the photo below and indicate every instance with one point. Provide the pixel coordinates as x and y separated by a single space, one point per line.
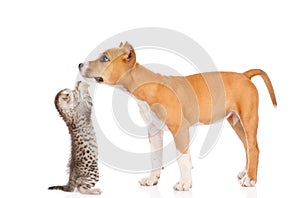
146 112
149 116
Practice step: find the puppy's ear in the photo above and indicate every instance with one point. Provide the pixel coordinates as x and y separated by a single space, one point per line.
121 45
130 53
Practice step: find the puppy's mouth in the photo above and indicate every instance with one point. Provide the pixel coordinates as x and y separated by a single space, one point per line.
99 79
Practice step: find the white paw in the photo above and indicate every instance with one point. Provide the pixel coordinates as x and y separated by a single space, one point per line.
241 175
183 186
91 191
96 191
152 180
247 182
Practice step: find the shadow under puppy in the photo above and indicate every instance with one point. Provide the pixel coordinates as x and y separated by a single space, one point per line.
75 107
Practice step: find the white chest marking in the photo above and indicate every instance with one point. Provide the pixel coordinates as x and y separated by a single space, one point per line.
149 116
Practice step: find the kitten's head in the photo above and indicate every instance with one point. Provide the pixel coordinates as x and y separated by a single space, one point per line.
73 102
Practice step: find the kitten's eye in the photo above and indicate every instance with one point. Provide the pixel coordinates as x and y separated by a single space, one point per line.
104 59
66 96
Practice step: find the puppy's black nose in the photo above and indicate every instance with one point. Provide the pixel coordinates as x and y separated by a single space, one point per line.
80 65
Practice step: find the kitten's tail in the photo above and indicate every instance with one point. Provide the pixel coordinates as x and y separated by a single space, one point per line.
66 188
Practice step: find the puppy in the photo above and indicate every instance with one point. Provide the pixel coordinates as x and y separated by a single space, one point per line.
181 101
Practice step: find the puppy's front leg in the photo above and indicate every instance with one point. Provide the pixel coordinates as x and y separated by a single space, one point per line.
182 140
156 143
185 166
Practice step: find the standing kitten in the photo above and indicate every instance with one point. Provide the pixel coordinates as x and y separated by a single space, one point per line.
75 107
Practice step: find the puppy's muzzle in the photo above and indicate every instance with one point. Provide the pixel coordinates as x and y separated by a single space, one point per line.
99 79
82 70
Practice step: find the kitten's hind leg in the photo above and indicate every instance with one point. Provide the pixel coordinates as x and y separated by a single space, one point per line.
92 191
70 187
85 186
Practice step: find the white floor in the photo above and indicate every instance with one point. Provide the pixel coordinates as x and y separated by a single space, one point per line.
213 176
42 43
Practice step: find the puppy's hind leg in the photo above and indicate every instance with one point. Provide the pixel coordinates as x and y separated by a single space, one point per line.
250 126
155 136
237 126
249 123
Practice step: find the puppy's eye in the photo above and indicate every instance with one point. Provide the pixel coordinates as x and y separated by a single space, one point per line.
104 59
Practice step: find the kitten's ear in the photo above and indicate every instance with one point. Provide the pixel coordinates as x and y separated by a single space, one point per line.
121 45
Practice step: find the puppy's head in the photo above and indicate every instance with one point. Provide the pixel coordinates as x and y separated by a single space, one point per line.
111 65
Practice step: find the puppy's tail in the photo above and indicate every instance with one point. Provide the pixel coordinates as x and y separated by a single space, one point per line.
254 72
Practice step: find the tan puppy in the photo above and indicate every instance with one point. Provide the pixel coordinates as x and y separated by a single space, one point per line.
180 102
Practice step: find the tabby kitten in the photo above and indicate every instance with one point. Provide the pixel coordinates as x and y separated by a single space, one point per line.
75 107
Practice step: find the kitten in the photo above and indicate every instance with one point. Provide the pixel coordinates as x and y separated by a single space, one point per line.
75 107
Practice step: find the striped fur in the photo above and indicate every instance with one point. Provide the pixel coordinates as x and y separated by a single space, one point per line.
75 107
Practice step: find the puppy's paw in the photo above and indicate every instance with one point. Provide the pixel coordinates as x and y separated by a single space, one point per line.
241 175
183 186
152 180
247 182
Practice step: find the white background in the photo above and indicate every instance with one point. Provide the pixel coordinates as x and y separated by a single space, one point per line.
41 44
